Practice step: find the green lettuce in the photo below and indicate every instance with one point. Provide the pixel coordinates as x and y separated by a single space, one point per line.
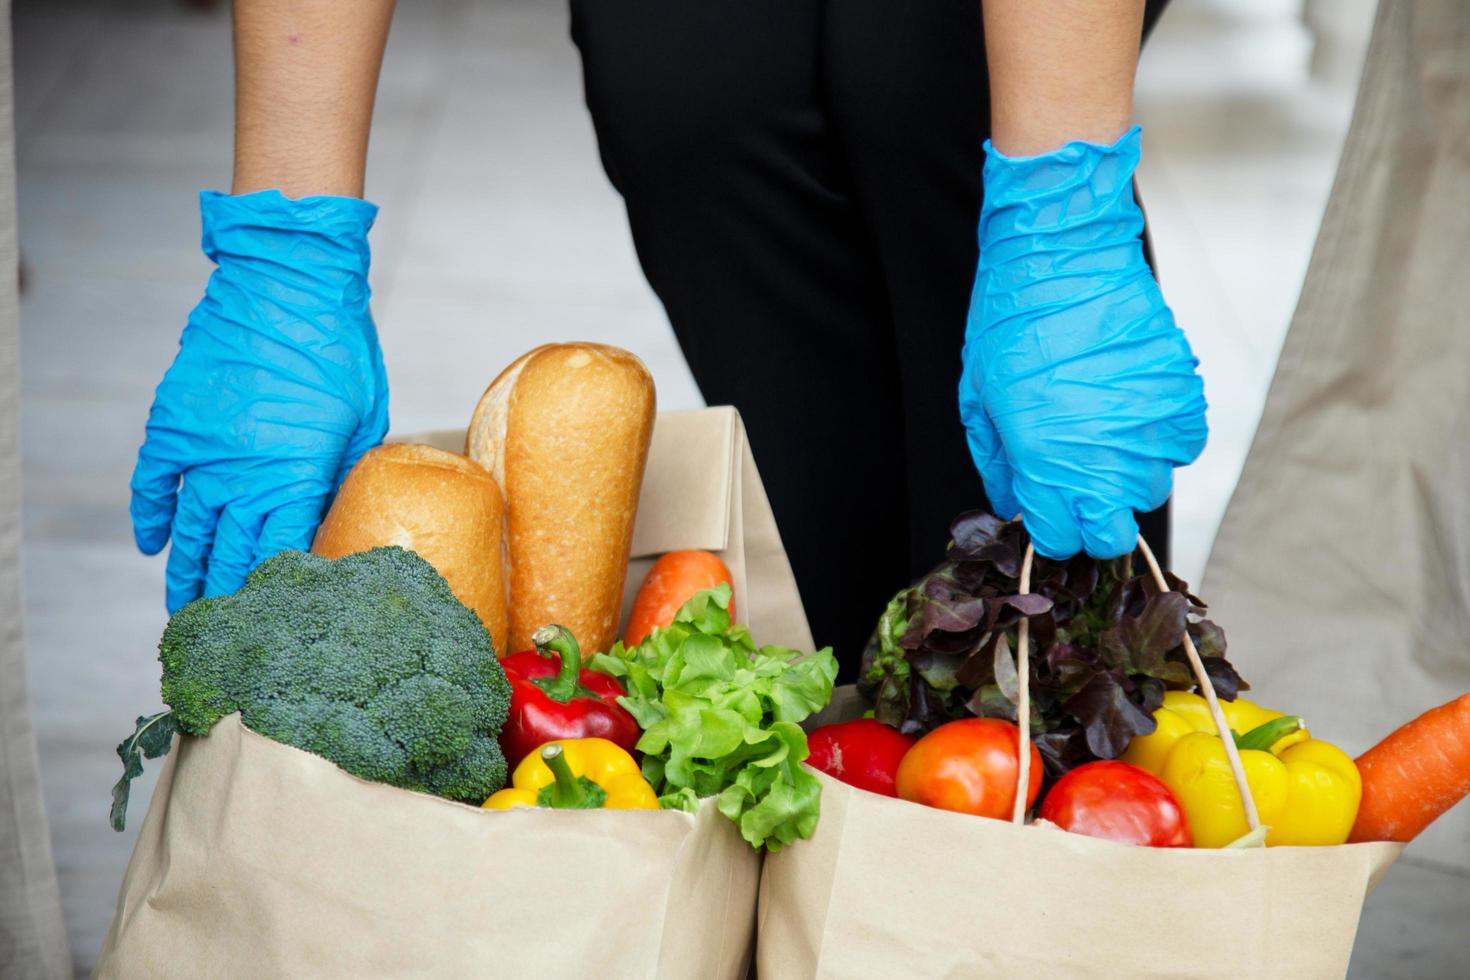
721 717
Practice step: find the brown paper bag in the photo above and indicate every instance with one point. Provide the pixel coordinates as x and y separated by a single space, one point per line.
257 859
893 889
1345 546
890 888
887 888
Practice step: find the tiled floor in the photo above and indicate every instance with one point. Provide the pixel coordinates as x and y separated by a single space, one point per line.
498 232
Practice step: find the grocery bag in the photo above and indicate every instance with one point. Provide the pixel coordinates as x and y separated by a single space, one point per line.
1355 482
258 859
891 888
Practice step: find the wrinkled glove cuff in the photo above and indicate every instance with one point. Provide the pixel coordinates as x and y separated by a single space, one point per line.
294 274
322 234
1010 179
1070 213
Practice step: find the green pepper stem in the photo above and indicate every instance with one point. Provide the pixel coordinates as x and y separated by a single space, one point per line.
1267 734
568 794
558 640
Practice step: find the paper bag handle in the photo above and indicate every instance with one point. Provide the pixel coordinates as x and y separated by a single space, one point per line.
1023 699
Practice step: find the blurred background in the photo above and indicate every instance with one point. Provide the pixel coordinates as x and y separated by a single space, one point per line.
499 232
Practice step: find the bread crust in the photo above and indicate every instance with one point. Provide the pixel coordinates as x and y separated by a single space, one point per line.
440 504
484 440
566 430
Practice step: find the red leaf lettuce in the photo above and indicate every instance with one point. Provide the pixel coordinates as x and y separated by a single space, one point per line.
1105 645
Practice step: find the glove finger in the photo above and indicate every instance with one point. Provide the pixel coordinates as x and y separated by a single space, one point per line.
1112 536
290 527
1048 516
991 460
234 547
155 493
1192 437
369 435
373 428
193 535
999 480
1143 486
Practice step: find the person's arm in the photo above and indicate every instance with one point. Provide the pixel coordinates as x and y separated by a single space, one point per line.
306 74
278 386
1060 70
1079 394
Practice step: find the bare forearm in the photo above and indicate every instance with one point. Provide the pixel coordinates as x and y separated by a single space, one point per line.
306 73
1060 70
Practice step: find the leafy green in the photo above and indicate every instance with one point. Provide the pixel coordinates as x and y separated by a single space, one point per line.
721 718
152 737
1106 644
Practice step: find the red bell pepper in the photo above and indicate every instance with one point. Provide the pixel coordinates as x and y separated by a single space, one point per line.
864 753
552 697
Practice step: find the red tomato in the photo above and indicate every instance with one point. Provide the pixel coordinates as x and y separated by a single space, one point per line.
1119 802
968 766
864 753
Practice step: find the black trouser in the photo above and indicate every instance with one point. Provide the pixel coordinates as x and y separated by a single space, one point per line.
802 179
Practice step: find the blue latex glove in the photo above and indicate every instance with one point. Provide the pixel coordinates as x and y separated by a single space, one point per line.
277 389
1079 394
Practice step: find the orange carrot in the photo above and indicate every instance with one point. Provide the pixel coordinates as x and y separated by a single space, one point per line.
1418 772
672 580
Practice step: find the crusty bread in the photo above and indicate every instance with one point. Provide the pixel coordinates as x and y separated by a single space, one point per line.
440 504
565 431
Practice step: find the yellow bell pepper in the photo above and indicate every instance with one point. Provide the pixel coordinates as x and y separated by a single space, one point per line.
1306 790
1183 712
577 774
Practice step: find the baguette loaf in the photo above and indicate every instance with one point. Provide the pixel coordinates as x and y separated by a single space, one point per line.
565 431
437 503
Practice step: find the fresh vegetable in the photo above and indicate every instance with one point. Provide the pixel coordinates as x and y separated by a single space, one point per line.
1306 791
969 766
577 774
674 578
721 718
862 753
1118 802
1183 712
552 697
369 661
1416 773
1106 645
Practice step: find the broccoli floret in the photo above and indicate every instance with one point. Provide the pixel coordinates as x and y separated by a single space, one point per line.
343 732
431 718
369 661
473 776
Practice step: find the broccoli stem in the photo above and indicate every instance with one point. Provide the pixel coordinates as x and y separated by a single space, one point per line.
558 640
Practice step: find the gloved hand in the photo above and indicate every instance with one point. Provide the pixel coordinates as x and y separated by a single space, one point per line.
278 387
1079 394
